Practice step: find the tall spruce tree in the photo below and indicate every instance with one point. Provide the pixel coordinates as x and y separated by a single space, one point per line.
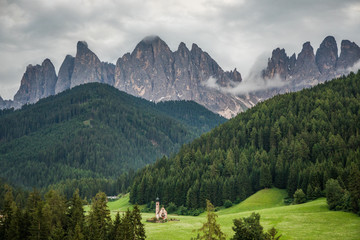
211 229
76 216
99 220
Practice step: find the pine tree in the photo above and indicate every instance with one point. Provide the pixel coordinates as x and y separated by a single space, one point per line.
99 220
354 188
39 224
7 212
139 230
210 230
116 232
265 176
76 216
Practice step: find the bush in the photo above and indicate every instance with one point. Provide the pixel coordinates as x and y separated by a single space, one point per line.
299 197
171 208
228 204
182 210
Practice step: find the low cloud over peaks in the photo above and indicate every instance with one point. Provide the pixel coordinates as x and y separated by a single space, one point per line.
251 84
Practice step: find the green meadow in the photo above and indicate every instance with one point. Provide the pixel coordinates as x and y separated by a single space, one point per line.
311 220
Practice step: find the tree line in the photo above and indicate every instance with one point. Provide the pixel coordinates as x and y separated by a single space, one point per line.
53 217
293 141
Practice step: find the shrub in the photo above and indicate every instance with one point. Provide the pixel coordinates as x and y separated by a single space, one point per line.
228 204
299 196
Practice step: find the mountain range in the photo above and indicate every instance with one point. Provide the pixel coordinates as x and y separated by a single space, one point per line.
154 72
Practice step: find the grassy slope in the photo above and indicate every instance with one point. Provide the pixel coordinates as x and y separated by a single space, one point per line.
311 220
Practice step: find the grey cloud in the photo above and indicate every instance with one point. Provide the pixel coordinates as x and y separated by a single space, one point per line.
233 32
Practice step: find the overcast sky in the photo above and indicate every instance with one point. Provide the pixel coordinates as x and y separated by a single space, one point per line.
234 32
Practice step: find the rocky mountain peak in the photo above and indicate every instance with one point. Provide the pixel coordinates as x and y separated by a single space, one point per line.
327 55
81 45
278 64
350 54
234 75
37 82
87 66
305 67
65 73
182 48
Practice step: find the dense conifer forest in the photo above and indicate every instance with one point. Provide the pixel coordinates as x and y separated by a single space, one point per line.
55 217
294 141
92 136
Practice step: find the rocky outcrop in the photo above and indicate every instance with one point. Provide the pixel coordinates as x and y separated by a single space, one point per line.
305 67
309 69
350 54
279 65
154 72
87 66
37 82
65 73
327 56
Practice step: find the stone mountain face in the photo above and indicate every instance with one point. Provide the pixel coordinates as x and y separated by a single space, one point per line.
350 54
310 69
327 56
305 66
87 67
37 82
151 71
154 72
65 73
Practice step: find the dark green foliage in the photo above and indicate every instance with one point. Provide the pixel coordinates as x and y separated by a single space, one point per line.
299 196
76 218
227 203
250 228
99 221
334 194
56 218
296 140
171 208
354 188
210 229
94 132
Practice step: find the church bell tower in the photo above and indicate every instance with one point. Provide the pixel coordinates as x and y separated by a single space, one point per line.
157 209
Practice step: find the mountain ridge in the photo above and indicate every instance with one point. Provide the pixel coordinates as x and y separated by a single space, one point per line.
154 72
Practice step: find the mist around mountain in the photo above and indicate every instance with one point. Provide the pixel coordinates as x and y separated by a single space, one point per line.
284 73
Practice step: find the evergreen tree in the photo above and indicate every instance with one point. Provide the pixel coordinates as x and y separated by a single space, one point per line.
99 220
265 176
116 233
354 188
76 216
211 229
39 223
334 194
138 226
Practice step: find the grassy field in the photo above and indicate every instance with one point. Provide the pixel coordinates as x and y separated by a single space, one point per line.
311 220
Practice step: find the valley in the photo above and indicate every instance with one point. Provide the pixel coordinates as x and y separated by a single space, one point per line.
311 220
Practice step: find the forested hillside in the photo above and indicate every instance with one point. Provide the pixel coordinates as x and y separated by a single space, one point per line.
296 140
93 131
